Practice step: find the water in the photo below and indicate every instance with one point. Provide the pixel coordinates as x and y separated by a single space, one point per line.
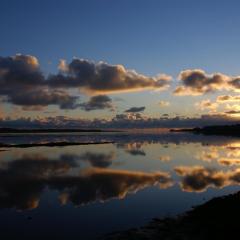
85 191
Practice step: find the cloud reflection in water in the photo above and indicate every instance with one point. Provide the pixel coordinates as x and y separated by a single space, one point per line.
24 180
199 178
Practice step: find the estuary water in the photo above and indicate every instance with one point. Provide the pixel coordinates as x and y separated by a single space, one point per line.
110 182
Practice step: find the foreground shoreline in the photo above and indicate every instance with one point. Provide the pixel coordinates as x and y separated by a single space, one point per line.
215 219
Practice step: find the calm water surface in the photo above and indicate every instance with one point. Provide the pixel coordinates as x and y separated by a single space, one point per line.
85 191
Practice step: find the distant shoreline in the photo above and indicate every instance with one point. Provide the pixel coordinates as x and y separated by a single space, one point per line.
221 130
55 130
52 144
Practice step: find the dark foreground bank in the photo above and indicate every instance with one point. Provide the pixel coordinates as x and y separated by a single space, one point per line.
216 219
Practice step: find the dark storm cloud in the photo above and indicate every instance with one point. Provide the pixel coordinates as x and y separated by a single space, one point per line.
135 109
103 78
98 103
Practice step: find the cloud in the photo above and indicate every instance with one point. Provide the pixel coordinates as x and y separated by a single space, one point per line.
104 78
198 179
232 109
164 104
98 103
37 99
232 112
129 120
197 82
207 104
229 161
128 117
22 83
233 152
228 98
62 66
235 83
20 72
135 109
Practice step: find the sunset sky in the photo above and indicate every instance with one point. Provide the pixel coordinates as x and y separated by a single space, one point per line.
108 62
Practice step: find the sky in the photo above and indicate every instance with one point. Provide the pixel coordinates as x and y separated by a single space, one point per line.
119 60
